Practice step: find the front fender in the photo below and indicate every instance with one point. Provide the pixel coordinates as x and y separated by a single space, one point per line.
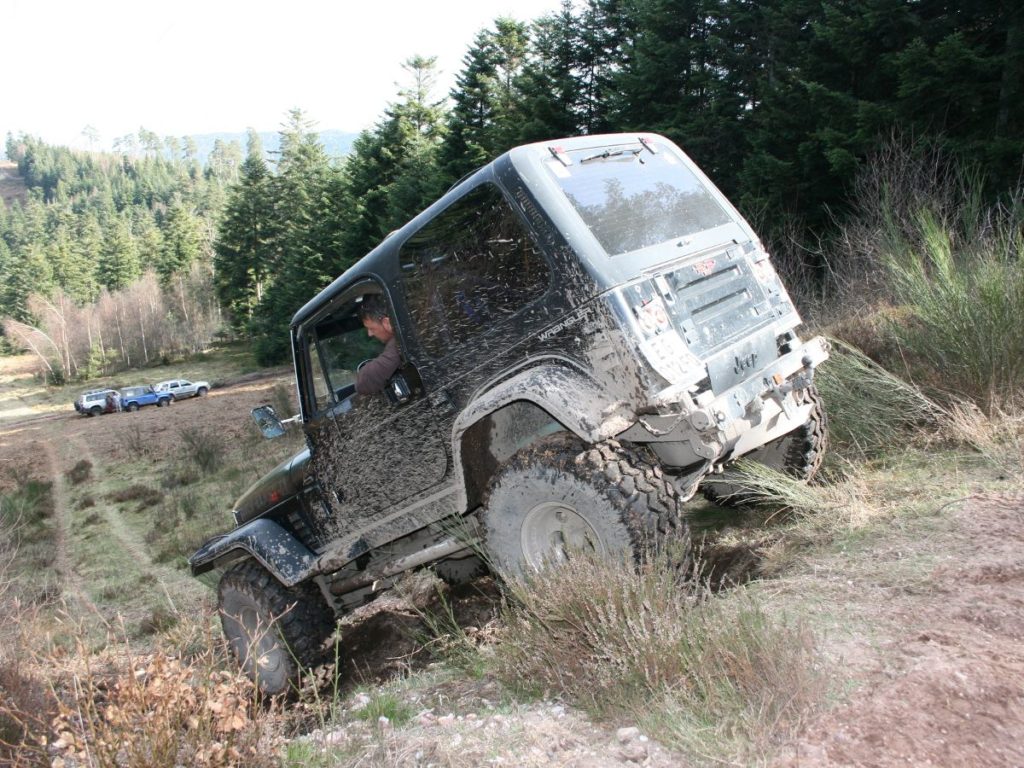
287 558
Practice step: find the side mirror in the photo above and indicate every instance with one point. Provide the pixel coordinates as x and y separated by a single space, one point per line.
266 419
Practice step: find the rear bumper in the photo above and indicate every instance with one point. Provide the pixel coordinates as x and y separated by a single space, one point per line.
736 421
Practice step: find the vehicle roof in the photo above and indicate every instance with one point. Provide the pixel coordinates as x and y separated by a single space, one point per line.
526 164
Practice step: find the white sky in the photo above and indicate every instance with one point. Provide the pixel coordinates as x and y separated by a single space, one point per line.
203 66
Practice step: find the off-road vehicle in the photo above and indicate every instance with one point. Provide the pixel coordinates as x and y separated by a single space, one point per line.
589 331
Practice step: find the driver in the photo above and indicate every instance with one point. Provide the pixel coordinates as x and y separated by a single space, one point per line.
373 375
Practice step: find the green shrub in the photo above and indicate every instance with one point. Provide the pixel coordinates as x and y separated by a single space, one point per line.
965 297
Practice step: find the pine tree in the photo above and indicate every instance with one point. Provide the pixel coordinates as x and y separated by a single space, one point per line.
118 265
243 251
550 86
486 103
183 242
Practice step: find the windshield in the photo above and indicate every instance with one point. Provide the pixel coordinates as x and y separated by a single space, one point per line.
631 197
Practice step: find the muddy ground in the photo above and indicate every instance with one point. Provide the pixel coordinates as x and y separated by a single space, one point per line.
927 670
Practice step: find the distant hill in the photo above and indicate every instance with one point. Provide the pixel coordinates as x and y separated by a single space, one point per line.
336 143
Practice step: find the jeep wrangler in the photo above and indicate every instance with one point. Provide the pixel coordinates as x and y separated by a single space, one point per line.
590 333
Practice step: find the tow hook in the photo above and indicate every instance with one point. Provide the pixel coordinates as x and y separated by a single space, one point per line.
779 390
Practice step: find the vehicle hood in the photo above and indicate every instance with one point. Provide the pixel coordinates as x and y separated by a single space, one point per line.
278 485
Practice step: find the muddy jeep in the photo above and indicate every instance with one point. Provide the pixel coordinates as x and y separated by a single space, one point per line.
589 332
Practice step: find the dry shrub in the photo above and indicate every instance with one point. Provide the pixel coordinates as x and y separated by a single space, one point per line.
79 473
25 702
712 673
999 438
145 495
161 711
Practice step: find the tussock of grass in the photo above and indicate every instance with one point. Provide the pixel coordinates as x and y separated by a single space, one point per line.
644 645
79 473
871 411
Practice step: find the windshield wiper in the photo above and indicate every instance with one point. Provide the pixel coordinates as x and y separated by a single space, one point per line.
606 154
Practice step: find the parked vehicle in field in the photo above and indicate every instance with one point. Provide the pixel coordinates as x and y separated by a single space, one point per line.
94 402
182 388
133 398
589 333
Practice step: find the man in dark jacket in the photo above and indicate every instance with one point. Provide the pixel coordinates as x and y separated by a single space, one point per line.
373 375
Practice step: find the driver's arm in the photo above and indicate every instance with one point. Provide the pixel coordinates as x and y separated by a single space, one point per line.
373 376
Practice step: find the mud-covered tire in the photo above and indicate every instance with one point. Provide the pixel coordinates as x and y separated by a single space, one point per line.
132 407
95 411
560 496
798 454
201 392
273 631
163 401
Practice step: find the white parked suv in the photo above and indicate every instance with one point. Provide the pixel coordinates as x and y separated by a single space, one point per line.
179 388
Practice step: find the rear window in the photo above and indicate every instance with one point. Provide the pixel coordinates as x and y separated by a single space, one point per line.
631 198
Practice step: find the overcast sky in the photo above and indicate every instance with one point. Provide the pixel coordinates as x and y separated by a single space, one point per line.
203 66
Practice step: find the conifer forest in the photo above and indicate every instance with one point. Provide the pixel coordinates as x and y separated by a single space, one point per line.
118 258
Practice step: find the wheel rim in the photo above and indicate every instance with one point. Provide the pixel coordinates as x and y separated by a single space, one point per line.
258 647
552 531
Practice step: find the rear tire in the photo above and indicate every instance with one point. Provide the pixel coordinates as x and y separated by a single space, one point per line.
798 454
560 496
163 401
95 411
132 407
274 631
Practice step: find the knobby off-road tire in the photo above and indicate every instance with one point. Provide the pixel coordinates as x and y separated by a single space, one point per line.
273 631
561 496
798 454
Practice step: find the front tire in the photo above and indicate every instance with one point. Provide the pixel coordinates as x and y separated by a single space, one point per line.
273 631
798 454
560 497
201 392
163 401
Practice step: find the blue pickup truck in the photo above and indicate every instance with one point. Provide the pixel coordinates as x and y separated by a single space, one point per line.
133 398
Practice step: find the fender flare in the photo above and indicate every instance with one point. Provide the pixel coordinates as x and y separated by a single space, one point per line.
570 396
287 558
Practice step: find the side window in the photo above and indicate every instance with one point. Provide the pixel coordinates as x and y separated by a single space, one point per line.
471 267
339 343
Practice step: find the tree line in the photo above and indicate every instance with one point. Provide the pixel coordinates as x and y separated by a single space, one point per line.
780 102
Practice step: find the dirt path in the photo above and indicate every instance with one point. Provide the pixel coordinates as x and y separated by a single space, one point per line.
71 582
943 682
